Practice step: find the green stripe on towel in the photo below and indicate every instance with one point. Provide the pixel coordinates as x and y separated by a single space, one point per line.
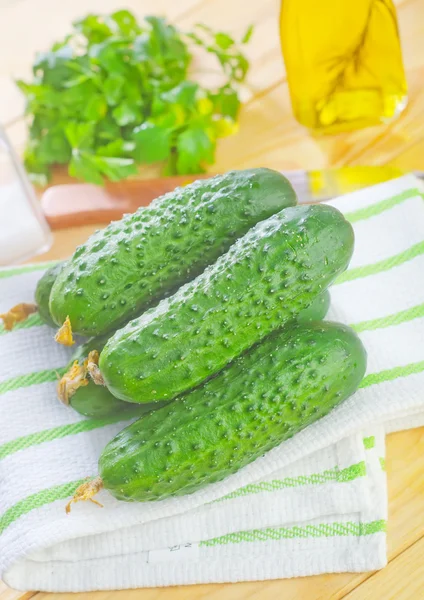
58 492
382 265
33 320
362 214
55 433
31 379
403 316
329 475
26 269
392 374
347 528
66 490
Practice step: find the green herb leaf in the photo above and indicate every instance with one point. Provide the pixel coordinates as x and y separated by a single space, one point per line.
80 135
91 168
95 109
126 22
126 114
38 170
152 143
115 168
247 35
76 81
54 147
184 94
112 89
107 130
195 150
94 28
224 41
226 102
117 148
82 167
115 93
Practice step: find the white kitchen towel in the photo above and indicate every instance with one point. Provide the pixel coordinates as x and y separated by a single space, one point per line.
317 503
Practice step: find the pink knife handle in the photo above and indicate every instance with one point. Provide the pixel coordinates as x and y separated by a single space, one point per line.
71 205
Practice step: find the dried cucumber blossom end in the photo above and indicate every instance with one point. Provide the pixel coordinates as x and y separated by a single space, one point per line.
64 335
86 491
17 314
73 379
93 368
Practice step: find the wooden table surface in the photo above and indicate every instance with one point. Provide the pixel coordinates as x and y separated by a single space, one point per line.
269 136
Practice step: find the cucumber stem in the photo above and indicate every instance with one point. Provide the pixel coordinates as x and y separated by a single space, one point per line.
93 368
17 314
73 379
64 334
86 491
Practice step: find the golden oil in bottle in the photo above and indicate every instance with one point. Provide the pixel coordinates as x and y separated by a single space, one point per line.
343 62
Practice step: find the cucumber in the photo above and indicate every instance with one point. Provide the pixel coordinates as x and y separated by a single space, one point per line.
263 282
317 310
42 292
96 401
290 380
133 263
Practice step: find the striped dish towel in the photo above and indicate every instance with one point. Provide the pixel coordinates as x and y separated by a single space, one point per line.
317 503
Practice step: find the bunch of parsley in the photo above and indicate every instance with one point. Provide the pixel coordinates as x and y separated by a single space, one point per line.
115 94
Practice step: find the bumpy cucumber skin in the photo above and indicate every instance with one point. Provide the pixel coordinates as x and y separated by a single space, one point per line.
96 401
42 292
317 310
270 393
260 284
133 263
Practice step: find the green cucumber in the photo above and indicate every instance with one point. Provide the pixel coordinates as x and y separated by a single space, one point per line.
133 263
265 279
42 292
290 380
96 401
317 310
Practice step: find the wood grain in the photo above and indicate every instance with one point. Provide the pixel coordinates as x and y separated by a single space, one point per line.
269 136
8 594
401 580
